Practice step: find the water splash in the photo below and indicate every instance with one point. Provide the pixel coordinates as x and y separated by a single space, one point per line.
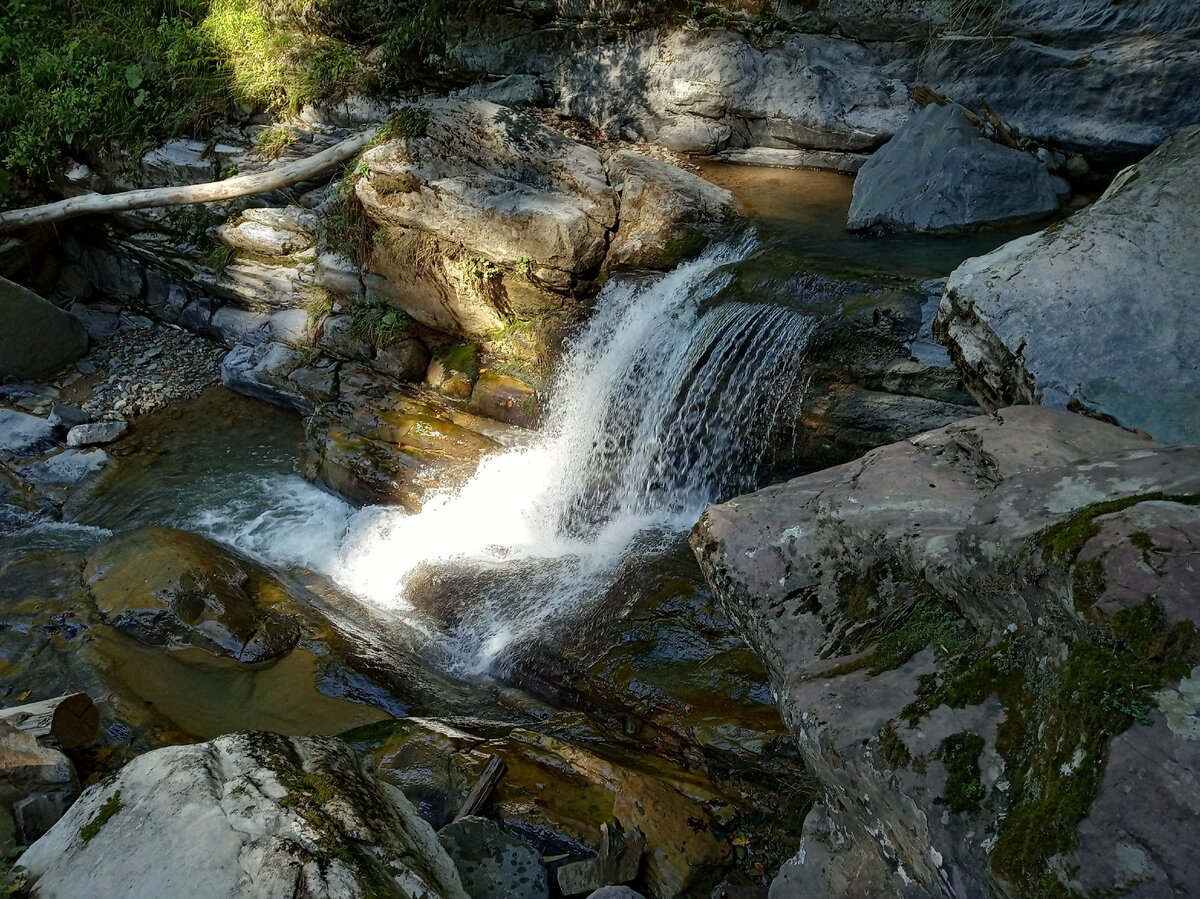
664 404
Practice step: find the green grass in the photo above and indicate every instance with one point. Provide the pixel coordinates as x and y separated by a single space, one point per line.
272 142
378 322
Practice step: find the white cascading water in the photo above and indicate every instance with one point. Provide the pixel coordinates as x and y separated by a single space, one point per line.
661 407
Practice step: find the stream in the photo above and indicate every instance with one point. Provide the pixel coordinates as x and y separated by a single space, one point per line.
558 577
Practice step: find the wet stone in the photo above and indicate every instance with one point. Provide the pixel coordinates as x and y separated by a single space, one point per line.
493 864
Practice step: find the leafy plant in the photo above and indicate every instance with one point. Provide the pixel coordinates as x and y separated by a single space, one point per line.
378 322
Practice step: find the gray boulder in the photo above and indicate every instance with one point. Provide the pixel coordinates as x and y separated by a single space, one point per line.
1098 311
493 864
252 815
983 642
96 432
21 432
36 337
667 214
940 174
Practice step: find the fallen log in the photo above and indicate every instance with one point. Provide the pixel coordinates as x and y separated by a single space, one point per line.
492 772
71 721
285 175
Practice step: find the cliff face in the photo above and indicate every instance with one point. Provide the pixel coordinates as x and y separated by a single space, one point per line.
835 75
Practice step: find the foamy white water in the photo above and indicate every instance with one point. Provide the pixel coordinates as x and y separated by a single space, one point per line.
661 407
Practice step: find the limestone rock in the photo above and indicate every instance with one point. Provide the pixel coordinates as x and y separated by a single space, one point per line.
940 174
96 432
270 232
21 432
934 617
170 588
251 814
36 338
1099 310
406 359
493 864
264 371
667 214
473 196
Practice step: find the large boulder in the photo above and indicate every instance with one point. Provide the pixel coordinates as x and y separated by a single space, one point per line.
1097 311
249 815
485 211
667 214
36 337
171 588
983 640
939 173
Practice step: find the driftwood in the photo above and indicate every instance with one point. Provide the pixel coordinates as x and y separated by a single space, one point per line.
1004 133
492 772
923 95
71 721
184 195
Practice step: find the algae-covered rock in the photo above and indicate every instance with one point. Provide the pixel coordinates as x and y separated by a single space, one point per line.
170 588
988 629
493 864
251 814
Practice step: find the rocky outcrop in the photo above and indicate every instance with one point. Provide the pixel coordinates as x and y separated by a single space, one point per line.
486 212
939 173
1097 311
36 337
375 445
667 214
835 75
250 814
172 588
982 639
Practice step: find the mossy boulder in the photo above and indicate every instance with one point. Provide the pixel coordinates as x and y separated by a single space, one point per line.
983 640
172 588
250 814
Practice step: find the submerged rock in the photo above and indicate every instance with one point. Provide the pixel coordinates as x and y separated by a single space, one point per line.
1099 310
169 588
981 638
252 814
940 174
493 864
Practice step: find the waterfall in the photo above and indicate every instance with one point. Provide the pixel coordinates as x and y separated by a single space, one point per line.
664 403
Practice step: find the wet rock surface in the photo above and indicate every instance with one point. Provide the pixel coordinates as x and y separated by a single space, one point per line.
948 623
1050 317
491 863
170 588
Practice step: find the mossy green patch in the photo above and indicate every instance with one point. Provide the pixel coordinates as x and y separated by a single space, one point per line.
895 753
960 754
106 813
927 622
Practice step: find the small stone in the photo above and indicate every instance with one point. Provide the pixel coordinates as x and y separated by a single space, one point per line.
62 416
96 433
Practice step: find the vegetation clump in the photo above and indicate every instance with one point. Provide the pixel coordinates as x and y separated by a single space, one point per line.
378 322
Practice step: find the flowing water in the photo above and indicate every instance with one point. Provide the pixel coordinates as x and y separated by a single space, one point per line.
664 403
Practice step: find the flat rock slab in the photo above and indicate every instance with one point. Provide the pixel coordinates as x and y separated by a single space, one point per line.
36 337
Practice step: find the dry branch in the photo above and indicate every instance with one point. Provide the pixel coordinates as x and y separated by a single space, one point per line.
183 195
